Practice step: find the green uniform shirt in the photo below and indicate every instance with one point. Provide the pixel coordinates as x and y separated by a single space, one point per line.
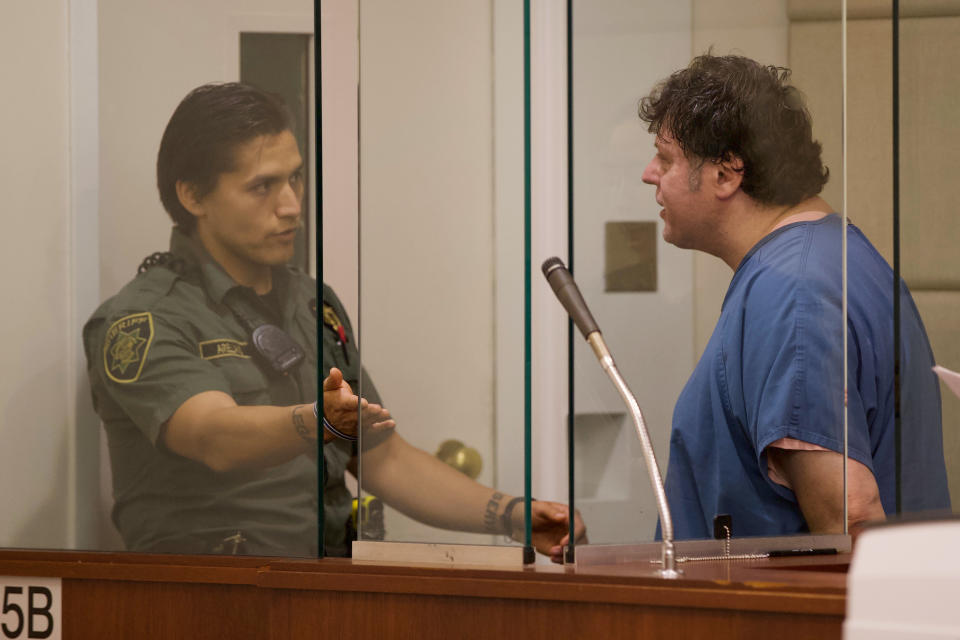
181 329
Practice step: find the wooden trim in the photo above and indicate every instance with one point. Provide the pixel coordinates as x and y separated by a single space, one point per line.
171 596
760 590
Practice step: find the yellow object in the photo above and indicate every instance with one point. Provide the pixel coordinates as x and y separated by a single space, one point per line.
370 522
464 459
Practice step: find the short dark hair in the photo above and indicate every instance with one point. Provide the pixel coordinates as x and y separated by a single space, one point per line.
203 133
721 107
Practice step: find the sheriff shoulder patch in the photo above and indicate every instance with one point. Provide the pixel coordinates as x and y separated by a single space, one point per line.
223 348
126 345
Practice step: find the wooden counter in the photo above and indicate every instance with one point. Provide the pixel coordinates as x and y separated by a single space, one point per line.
109 595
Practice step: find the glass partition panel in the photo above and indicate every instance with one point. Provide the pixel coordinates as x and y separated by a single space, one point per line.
924 230
181 256
720 300
440 311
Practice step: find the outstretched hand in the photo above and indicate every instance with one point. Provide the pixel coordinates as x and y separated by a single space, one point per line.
551 528
340 407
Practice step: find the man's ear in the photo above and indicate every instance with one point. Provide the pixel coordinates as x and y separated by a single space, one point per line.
187 195
729 176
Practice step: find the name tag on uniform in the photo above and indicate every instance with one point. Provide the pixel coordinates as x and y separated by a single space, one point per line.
223 348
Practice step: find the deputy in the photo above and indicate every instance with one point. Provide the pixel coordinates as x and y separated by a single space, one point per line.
203 368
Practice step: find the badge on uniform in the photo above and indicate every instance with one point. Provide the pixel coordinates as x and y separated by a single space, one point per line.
126 345
331 320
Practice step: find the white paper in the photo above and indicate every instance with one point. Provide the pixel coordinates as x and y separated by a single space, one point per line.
952 378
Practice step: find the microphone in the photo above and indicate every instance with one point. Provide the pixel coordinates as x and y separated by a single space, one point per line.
568 293
566 290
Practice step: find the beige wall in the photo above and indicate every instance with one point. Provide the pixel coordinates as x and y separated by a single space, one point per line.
339 66
35 415
426 221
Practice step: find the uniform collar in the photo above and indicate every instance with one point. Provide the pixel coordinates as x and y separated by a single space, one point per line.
214 279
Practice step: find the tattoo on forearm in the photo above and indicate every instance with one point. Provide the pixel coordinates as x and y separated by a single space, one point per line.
490 520
301 426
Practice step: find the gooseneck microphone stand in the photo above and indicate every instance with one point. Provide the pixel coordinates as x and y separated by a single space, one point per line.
569 295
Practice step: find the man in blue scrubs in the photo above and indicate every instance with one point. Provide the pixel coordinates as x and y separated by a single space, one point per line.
758 429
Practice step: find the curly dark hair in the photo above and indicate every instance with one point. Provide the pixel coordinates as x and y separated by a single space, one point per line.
725 107
203 134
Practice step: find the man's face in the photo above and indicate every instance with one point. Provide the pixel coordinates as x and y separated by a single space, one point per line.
685 204
248 222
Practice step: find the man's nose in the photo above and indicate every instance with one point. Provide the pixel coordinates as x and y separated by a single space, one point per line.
650 175
289 201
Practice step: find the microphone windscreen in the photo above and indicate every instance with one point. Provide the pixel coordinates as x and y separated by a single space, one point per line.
568 293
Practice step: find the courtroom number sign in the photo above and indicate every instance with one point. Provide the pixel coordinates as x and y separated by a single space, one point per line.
30 608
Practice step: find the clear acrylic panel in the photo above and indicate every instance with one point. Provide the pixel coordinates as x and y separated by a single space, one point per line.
921 233
716 360
440 309
167 330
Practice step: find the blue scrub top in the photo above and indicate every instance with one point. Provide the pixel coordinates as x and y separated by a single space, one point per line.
773 369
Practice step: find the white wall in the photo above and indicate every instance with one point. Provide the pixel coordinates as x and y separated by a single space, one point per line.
35 417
